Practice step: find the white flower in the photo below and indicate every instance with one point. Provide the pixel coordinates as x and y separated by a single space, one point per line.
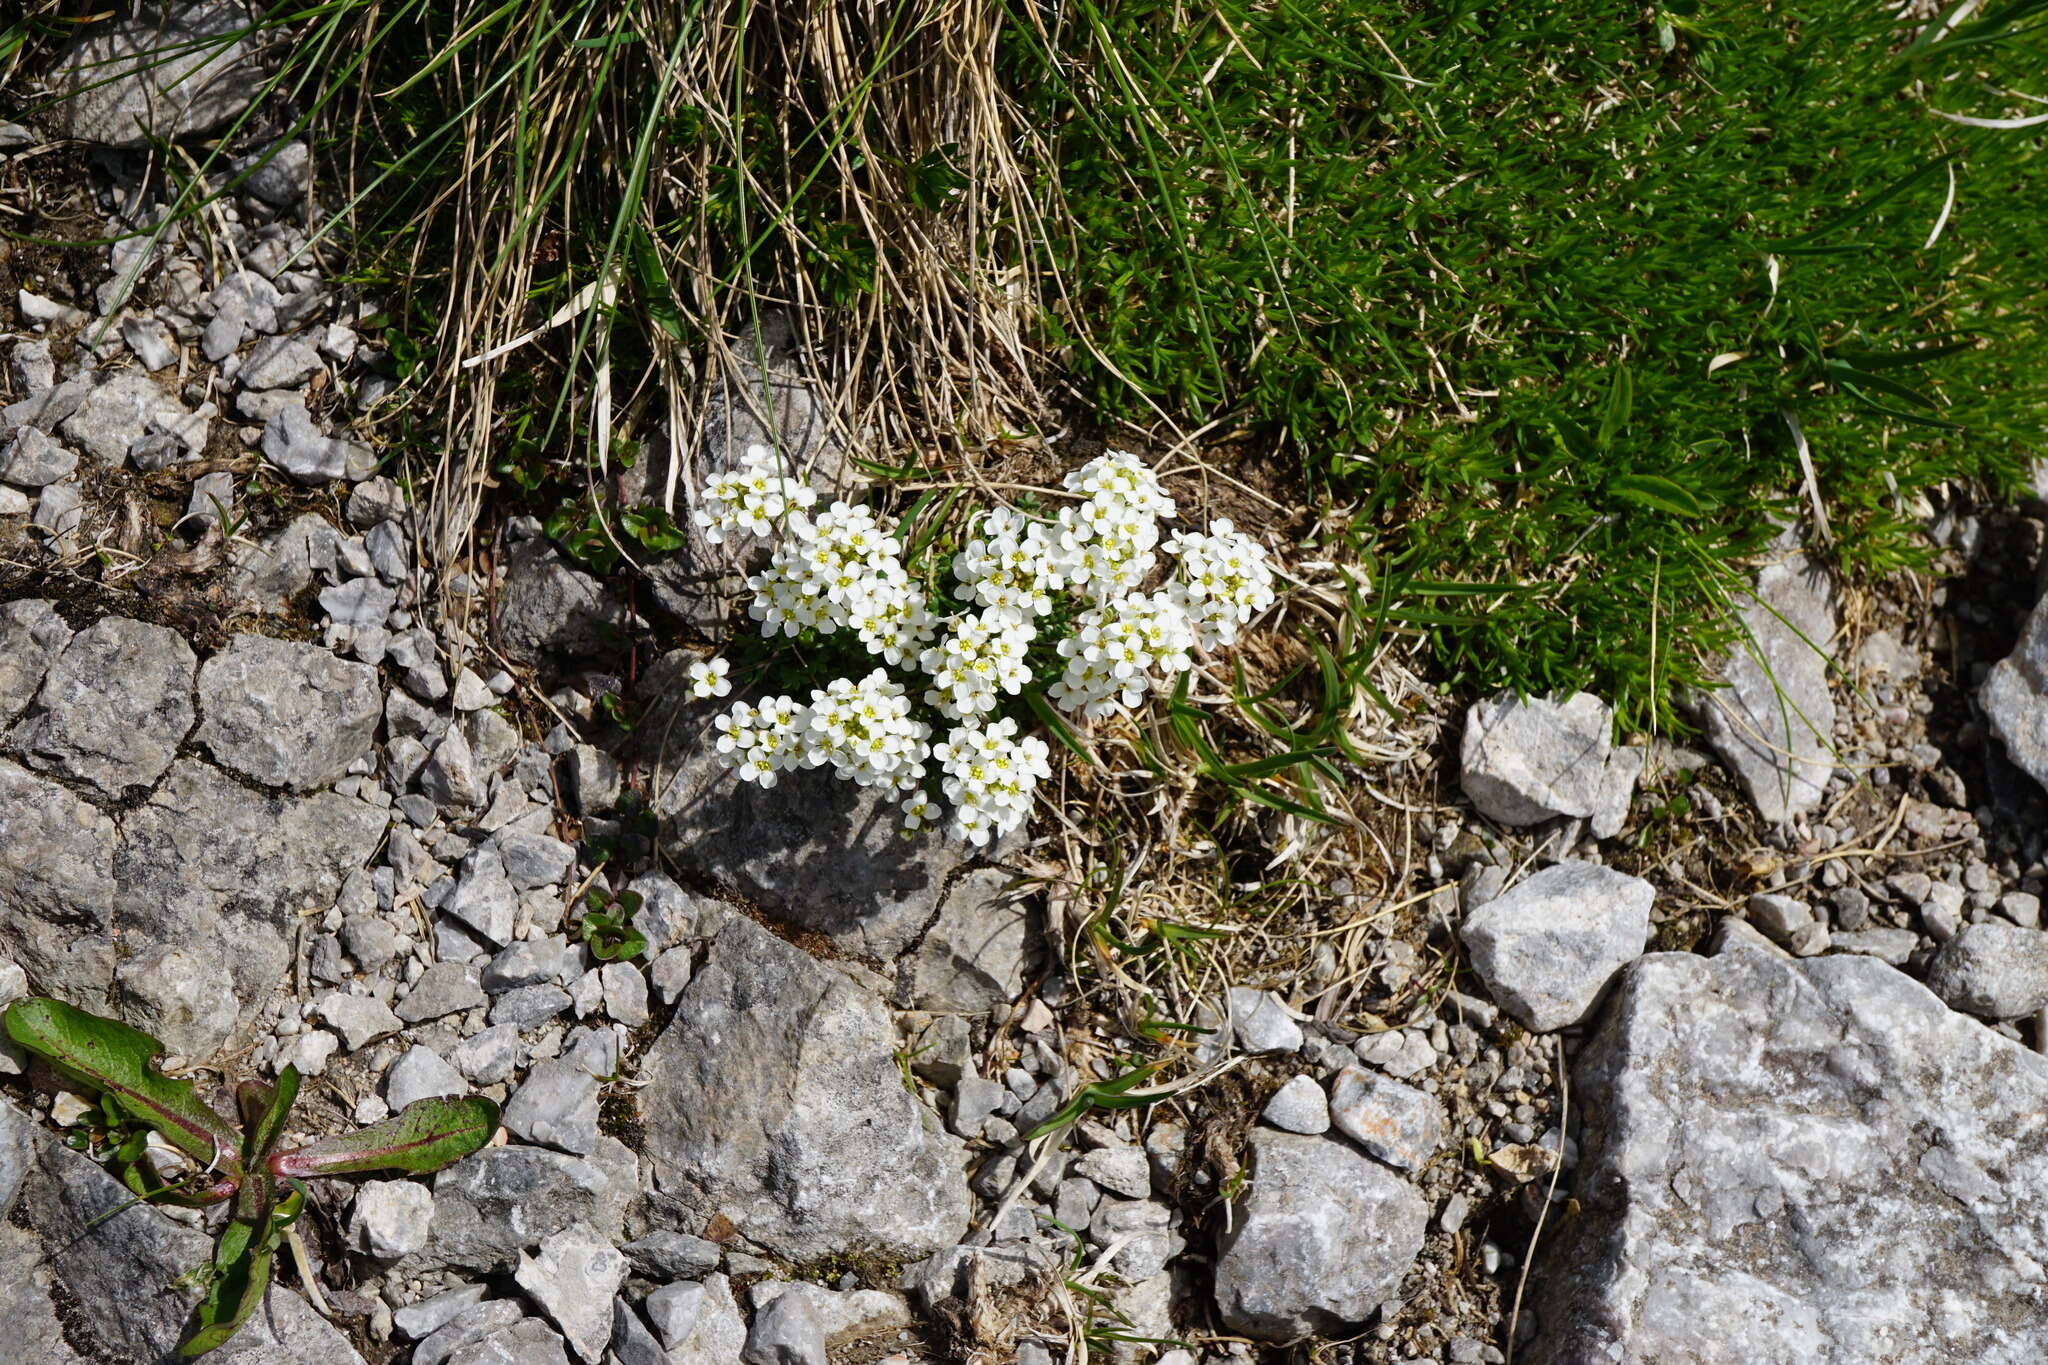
819 578
1013 564
708 679
864 731
751 499
760 742
977 657
1224 580
1106 543
1121 651
919 810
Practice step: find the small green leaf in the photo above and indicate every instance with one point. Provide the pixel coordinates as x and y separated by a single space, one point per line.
117 1061
422 1138
241 1272
262 1130
1657 493
1620 402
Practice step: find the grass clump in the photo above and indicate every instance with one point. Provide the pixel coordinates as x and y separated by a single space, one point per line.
1547 292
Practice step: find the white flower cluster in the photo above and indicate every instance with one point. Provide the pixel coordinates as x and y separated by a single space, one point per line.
753 498
1224 581
842 569
990 776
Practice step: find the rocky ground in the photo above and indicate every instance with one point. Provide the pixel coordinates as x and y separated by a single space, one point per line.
1633 1052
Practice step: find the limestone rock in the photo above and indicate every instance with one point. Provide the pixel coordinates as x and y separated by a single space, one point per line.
1527 761
1322 1238
1814 1158
774 1097
288 715
1548 947
113 708
174 71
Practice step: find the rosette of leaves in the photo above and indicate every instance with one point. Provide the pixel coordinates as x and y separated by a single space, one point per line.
607 926
237 1162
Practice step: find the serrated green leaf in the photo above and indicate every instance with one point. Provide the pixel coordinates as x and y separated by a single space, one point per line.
422 1138
116 1061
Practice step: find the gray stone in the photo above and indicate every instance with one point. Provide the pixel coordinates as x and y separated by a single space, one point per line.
34 459
823 855
179 72
556 1107
498 1202
288 715
1815 1159
526 1342
546 609
32 635
665 1254
46 410
1548 947
1527 761
361 603
2015 698
113 707
1322 1238
31 366
123 408
527 1006
1261 1023
60 511
419 1074
57 888
374 501
484 898
625 993
268 577
122 1268
1993 970
151 341
444 988
533 860
971 958
467 1328
1895 946
1617 791
278 363
359 1019
774 1097
633 1342
1774 721
1780 917
417 1320
1398 1052
529 962
298 445
699 1322
211 869
1397 1123
489 1057
786 1332
390 1218
574 1279
280 175
449 778
1299 1106
212 501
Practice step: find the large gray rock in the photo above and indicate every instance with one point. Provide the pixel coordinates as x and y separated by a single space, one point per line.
546 609
1547 948
57 888
2015 698
1995 970
774 1098
123 410
288 715
830 858
122 1267
1774 722
174 71
1527 761
1815 1159
1323 1237
113 708
221 874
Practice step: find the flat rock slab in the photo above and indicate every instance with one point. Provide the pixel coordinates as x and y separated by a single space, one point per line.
118 1263
1799 1161
113 708
1774 722
774 1098
153 73
287 714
